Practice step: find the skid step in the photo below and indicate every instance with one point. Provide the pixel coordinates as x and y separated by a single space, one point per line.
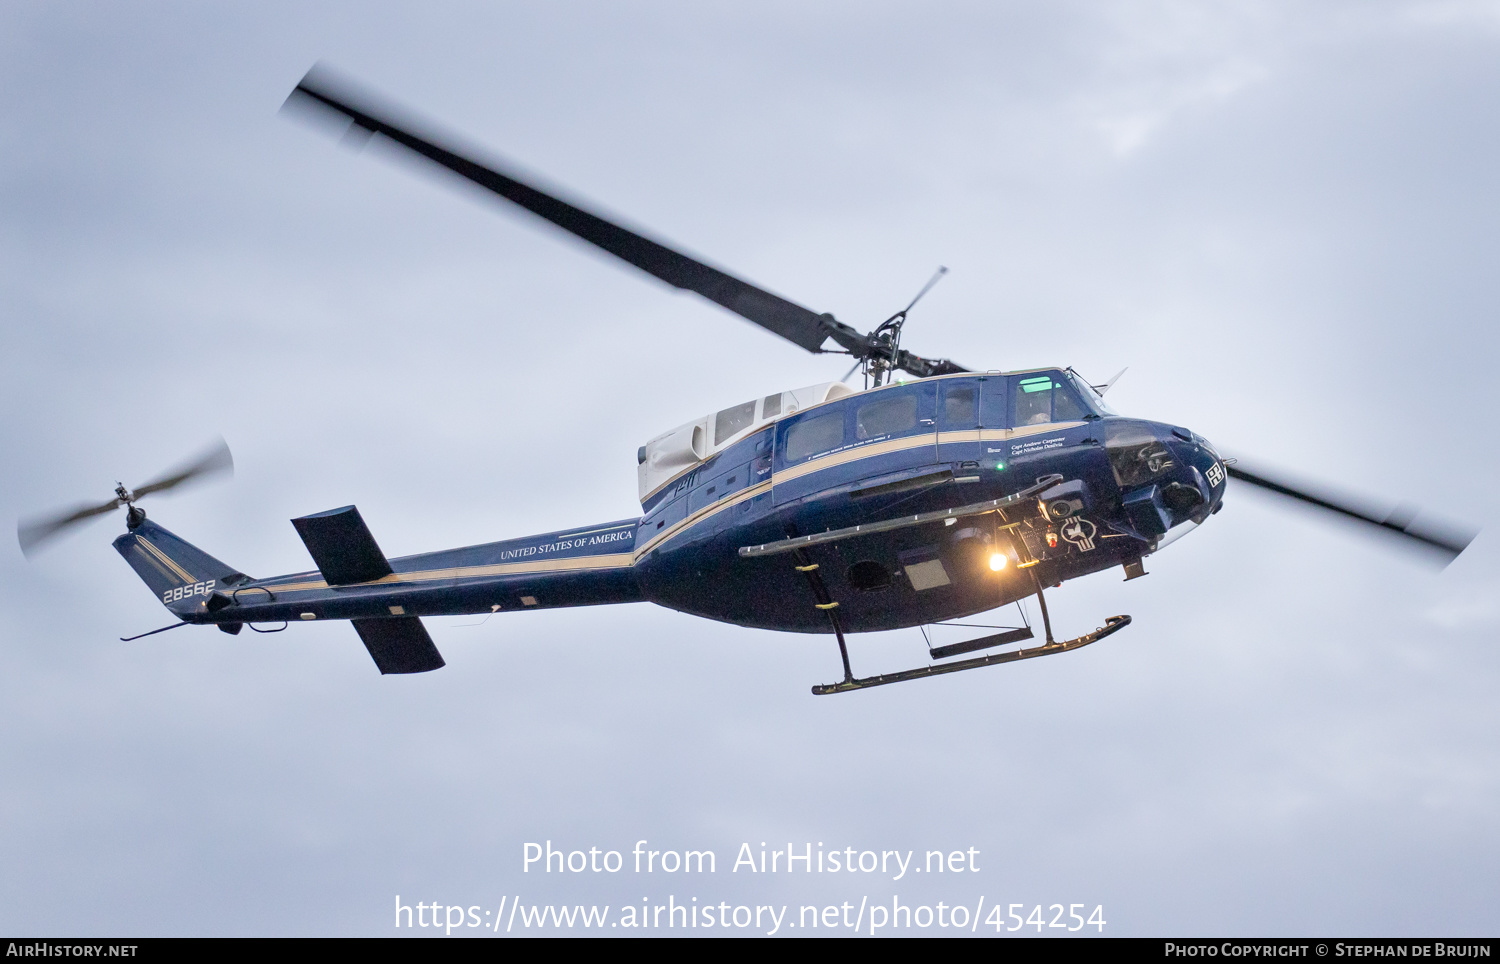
1111 625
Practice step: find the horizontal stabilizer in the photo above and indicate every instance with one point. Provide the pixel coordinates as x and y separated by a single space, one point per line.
399 645
344 551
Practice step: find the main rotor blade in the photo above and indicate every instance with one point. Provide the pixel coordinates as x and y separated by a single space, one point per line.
213 460
801 326
32 533
1449 542
791 321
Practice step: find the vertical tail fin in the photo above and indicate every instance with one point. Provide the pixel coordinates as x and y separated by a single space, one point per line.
174 569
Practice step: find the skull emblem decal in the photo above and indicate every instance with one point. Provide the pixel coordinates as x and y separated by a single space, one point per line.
1080 532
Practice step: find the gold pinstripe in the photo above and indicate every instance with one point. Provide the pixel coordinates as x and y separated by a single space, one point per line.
1044 427
854 455
785 415
988 435
869 391
913 442
619 560
166 560
148 559
625 560
844 458
974 435
1001 434
748 492
652 494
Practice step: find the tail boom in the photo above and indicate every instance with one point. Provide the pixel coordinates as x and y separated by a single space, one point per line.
576 567
385 599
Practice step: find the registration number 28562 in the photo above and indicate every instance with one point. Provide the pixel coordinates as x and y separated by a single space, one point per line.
185 592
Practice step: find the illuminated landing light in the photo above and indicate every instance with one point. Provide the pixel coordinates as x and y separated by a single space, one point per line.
997 561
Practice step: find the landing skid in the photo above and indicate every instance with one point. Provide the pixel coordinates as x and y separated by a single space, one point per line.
1111 625
829 606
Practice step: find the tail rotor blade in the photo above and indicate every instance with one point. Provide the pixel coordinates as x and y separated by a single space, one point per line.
32 533
35 532
211 461
1402 522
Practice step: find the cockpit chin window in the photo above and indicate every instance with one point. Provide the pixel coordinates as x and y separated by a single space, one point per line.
1136 454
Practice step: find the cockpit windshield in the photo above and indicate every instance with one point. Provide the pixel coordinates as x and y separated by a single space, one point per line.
1090 397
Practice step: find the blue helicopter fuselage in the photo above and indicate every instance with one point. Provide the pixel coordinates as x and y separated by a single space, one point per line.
894 452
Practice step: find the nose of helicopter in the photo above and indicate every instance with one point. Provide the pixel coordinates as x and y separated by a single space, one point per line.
1168 475
1196 488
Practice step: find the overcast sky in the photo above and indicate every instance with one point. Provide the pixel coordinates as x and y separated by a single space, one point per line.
1281 216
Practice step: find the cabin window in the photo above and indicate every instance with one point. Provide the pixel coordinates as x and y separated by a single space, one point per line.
811 436
771 407
960 405
893 415
732 421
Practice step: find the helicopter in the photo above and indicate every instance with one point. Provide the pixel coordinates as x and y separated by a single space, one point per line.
828 509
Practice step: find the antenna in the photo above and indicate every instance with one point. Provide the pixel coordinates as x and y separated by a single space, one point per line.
1101 389
936 277
888 337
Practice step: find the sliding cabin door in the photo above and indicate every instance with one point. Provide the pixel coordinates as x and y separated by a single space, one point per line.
872 438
